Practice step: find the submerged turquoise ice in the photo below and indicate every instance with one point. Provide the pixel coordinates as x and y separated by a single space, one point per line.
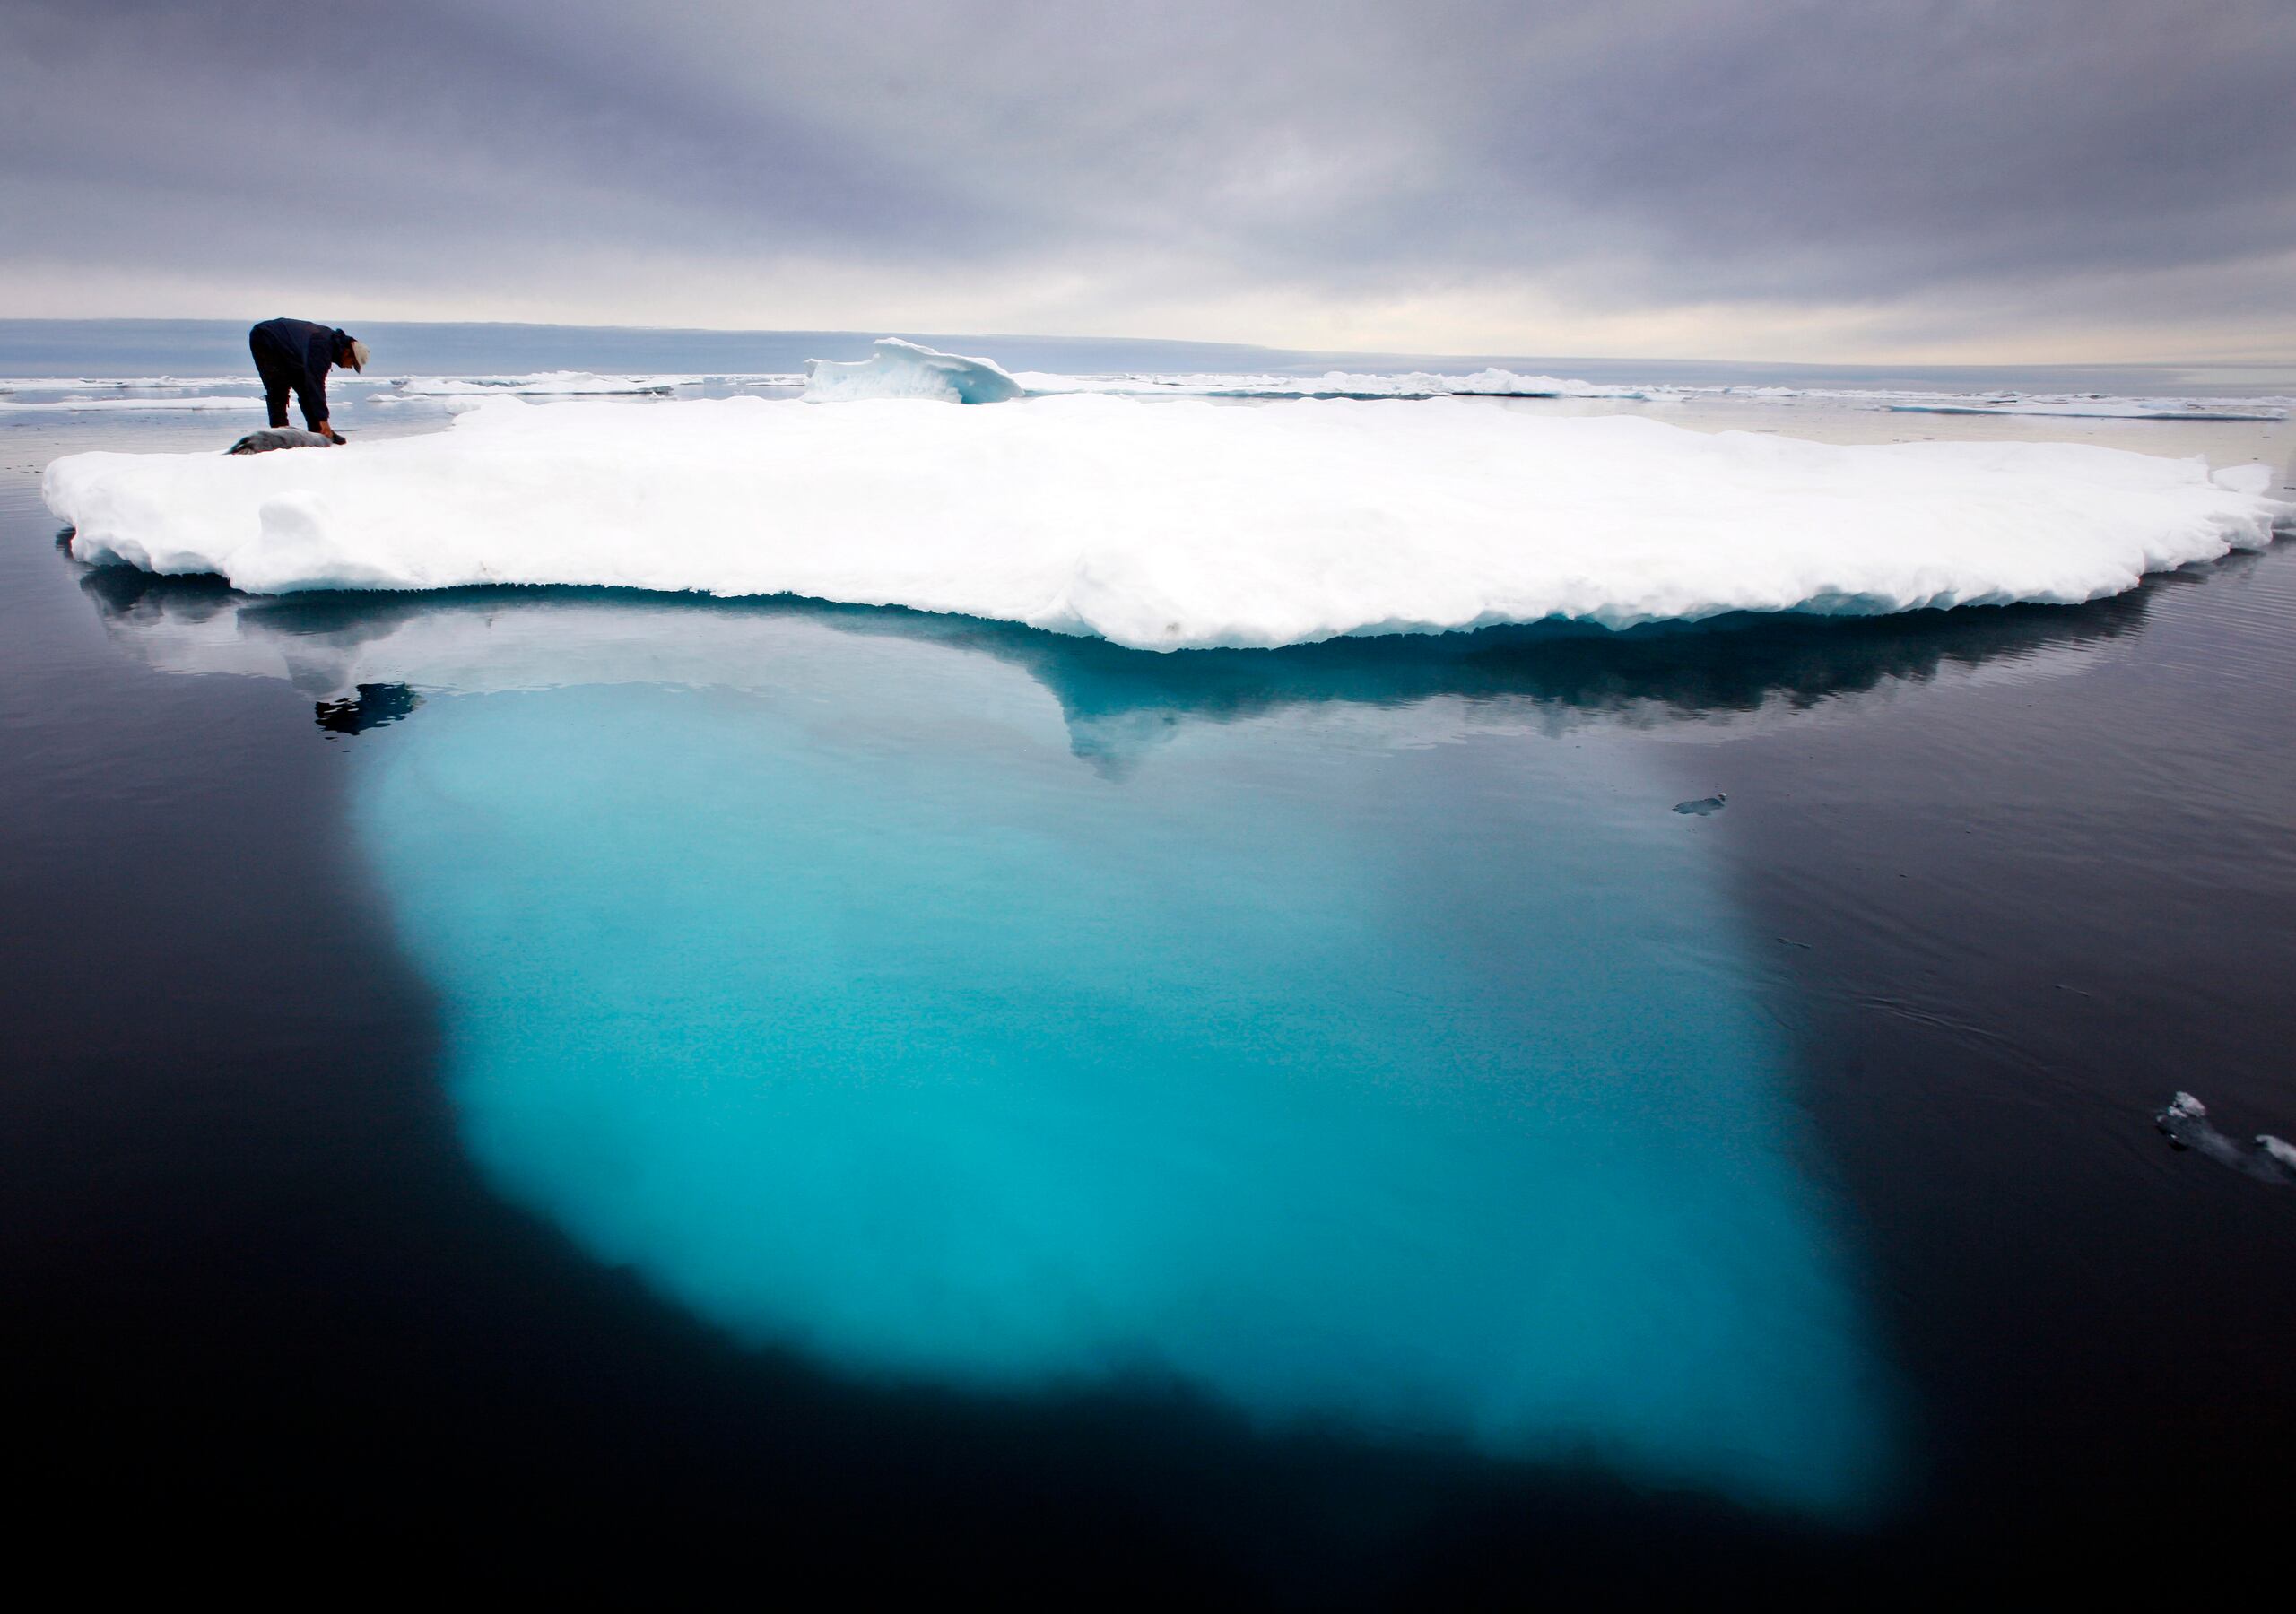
1350 1064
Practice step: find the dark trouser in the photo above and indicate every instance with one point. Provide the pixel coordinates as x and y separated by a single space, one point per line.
282 372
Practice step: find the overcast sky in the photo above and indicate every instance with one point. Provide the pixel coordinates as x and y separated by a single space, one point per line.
1938 179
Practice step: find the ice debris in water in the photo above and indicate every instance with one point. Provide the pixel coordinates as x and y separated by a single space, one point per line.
2184 1106
1172 523
895 369
1705 805
2186 1125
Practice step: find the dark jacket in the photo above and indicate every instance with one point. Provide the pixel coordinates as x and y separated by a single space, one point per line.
294 355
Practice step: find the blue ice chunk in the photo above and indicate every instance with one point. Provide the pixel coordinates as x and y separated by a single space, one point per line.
895 369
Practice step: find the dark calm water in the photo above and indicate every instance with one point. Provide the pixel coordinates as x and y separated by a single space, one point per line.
610 1089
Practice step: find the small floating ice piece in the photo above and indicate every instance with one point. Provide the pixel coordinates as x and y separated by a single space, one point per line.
1705 806
2186 1125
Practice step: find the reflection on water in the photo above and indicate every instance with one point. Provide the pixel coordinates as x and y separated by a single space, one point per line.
1672 679
369 706
1317 1028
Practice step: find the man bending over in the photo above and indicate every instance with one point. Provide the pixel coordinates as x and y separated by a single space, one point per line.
294 355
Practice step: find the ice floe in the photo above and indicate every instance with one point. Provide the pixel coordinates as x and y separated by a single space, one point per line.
1174 524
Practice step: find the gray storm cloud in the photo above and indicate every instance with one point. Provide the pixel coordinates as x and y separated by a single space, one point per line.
1932 172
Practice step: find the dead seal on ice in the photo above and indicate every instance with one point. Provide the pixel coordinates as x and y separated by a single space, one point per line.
277 437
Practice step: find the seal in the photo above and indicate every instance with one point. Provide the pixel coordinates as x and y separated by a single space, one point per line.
277 437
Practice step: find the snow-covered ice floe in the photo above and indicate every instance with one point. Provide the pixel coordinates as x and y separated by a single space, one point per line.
1175 524
895 369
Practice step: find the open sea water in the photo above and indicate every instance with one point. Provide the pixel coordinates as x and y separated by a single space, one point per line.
584 1088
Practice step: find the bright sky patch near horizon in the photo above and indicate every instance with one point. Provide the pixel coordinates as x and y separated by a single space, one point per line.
1936 180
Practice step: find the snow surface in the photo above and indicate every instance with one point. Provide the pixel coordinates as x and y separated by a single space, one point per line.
1174 524
895 369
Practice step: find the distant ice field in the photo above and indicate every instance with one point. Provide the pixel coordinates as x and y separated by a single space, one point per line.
896 367
1508 384
123 403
